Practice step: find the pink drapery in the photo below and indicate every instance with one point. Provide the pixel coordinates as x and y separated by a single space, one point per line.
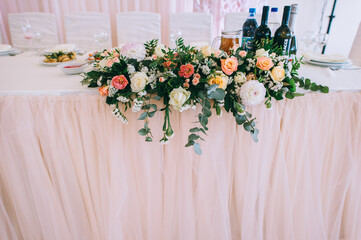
218 8
111 7
69 170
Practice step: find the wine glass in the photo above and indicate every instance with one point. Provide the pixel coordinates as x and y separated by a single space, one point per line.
320 41
101 37
175 34
308 41
28 35
37 36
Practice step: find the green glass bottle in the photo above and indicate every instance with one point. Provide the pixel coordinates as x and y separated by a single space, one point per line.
282 38
262 35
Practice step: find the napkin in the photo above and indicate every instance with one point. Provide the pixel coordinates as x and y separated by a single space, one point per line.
4 47
325 58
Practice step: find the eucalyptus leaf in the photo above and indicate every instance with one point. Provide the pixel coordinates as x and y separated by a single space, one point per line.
148 139
151 114
218 94
197 148
143 116
212 88
240 119
247 126
143 132
190 143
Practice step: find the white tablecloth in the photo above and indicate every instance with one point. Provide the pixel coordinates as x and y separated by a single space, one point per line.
24 74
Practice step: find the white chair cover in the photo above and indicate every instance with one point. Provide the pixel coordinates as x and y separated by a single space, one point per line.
355 53
138 27
1 39
234 21
194 27
81 27
45 23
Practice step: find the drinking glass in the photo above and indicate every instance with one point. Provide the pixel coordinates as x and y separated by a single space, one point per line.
308 41
101 37
320 42
28 35
175 34
37 36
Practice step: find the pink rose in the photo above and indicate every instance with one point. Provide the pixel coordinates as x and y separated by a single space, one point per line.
186 70
161 79
195 81
186 85
115 60
119 82
242 53
116 54
196 75
110 63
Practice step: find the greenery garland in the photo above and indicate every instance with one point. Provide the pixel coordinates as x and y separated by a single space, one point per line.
185 76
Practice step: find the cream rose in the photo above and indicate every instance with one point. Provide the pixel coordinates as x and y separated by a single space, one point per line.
206 51
158 50
178 97
240 77
219 78
138 81
278 74
103 63
261 53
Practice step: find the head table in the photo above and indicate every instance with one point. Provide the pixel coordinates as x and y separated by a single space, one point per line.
70 170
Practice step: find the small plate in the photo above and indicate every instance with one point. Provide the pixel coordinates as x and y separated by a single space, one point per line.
53 64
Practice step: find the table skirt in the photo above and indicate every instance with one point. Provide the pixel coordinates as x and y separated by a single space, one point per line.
70 170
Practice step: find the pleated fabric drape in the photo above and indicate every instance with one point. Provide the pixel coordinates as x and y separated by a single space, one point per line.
69 170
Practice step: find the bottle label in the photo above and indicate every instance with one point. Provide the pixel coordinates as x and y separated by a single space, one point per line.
247 43
285 46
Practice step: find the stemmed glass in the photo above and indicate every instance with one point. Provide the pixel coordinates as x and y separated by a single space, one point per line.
101 37
28 35
175 34
37 36
320 42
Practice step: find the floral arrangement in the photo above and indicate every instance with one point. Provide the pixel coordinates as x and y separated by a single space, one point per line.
135 75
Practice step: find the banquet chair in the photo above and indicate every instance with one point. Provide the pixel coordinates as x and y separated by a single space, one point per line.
138 27
234 21
44 23
355 53
192 27
81 29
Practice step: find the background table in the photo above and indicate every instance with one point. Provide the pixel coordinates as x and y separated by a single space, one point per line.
70 170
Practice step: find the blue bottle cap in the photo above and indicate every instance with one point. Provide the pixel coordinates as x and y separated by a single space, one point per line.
274 9
252 10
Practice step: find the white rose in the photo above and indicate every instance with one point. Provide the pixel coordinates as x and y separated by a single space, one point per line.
158 50
138 81
261 53
178 97
206 51
252 93
103 63
240 77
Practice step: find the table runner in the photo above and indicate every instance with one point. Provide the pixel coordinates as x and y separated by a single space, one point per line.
70 170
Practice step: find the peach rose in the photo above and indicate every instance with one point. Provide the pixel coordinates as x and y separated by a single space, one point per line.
116 54
161 79
229 65
109 63
220 79
264 63
278 74
197 75
119 82
242 53
103 90
186 85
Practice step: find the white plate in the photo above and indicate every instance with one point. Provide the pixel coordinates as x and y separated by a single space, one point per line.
328 64
52 64
4 48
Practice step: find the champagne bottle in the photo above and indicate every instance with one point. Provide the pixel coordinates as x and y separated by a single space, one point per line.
249 28
273 22
293 46
263 32
282 37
